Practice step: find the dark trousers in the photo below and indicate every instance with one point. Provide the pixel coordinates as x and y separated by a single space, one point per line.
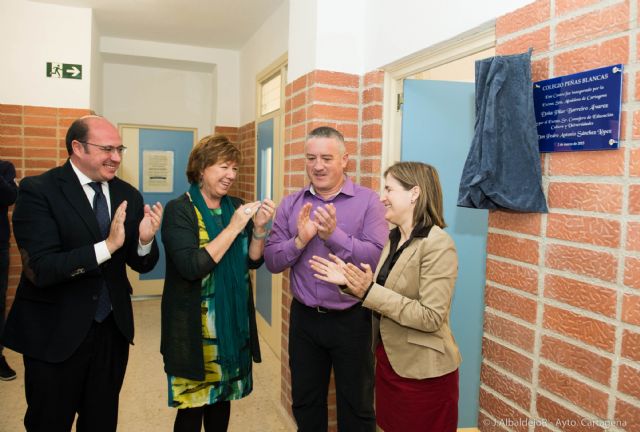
87 383
4 283
319 341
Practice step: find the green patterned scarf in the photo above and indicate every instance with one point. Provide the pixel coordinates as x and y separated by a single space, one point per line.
231 290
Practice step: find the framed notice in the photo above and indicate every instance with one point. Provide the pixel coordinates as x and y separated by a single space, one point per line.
157 171
579 111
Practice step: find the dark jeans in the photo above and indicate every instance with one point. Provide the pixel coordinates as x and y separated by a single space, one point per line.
319 341
4 282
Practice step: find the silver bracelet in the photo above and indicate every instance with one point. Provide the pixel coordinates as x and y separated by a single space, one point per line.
259 236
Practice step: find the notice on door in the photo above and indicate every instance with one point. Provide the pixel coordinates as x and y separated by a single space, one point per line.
157 171
579 111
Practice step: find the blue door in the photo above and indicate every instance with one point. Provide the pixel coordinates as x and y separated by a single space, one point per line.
264 291
180 143
437 128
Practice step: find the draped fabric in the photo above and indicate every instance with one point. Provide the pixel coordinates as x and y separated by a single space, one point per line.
502 170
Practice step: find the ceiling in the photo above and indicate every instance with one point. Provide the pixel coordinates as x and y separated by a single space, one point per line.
226 24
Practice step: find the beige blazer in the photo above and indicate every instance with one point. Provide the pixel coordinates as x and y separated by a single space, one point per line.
414 307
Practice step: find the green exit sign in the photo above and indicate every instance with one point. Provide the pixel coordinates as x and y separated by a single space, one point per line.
64 70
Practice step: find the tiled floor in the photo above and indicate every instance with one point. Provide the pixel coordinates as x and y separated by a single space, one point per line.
143 400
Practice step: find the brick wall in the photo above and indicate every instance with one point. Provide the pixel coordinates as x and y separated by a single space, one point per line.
353 105
244 137
33 139
562 321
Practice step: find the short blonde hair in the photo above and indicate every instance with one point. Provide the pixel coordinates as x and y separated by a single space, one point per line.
209 151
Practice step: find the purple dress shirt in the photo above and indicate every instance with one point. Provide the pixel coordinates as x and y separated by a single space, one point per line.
360 234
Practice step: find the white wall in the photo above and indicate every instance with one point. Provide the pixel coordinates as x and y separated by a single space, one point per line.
96 70
265 46
33 34
158 96
402 27
359 36
226 106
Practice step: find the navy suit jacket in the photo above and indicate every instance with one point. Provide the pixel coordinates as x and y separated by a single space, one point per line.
56 300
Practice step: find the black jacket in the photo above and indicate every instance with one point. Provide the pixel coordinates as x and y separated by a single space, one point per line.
187 264
56 300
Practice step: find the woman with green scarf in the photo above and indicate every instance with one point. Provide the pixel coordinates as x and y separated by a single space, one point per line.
209 334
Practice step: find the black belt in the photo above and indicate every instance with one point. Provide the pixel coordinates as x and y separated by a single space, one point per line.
324 310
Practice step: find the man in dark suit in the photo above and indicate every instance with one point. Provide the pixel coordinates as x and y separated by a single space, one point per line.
77 227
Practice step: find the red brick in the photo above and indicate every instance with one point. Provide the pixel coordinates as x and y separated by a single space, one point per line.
583 361
11 119
564 418
39 132
513 304
9 141
632 272
299 84
506 386
371 148
628 416
40 153
509 331
633 236
540 69
372 95
10 152
564 6
73 112
589 26
623 124
606 53
339 79
581 394
516 248
374 78
601 265
10 130
631 345
503 413
332 95
588 330
527 16
40 121
372 112
299 116
634 163
512 275
36 110
370 166
539 40
526 223
10 109
581 294
373 131
584 229
596 197
635 129
332 112
507 359
634 199
299 100
629 381
631 309
349 131
600 163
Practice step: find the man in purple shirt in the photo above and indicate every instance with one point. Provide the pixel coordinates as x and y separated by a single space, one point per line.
327 328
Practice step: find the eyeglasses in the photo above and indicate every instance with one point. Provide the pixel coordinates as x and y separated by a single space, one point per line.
108 149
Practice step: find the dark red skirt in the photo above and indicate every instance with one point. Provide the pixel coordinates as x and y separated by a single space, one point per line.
405 404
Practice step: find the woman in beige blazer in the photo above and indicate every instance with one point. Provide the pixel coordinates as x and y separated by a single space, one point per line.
410 295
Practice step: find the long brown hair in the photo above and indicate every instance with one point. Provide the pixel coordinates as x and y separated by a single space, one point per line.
429 209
